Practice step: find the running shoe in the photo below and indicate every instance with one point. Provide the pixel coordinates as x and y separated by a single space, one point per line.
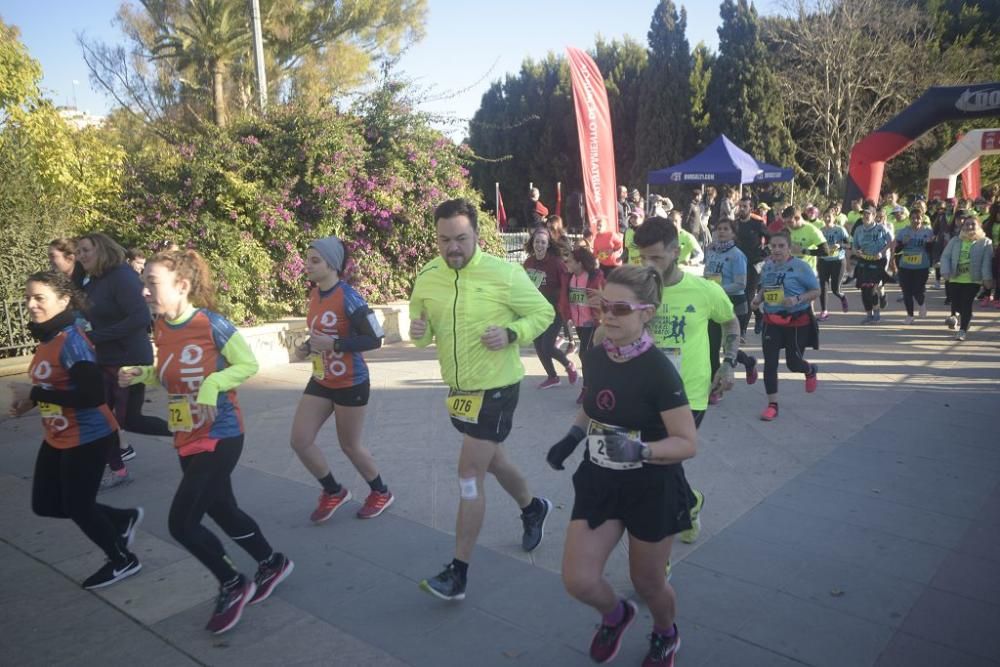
608 638
752 371
662 649
111 573
448 585
328 504
571 373
843 303
113 479
823 316
229 605
923 310
134 519
869 319
269 575
691 534
937 284
770 413
908 319
375 504
550 382
812 380
534 525
714 398
960 335
128 453
951 322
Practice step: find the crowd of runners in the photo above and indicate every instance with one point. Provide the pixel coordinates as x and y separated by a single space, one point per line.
658 318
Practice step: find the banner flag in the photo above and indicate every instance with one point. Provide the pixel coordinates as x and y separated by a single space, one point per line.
597 151
501 213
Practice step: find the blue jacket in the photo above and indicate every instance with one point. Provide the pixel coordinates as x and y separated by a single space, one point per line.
119 318
980 259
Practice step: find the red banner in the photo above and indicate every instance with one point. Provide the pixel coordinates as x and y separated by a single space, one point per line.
971 186
597 150
501 213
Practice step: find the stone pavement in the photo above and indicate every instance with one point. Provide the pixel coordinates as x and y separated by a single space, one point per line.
860 528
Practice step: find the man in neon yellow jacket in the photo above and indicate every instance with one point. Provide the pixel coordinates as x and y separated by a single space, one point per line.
477 309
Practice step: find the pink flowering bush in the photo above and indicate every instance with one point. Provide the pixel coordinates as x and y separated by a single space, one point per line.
252 197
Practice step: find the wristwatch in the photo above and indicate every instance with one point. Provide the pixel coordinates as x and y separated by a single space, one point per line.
511 336
731 362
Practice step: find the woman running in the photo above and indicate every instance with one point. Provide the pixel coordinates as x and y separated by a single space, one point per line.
967 265
585 279
201 361
67 387
870 245
639 429
831 266
991 227
119 320
550 275
62 258
914 245
787 287
341 327
727 265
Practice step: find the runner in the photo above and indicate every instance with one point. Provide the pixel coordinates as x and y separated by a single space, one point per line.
991 227
680 329
201 360
585 279
341 328
831 266
120 320
727 265
68 389
62 258
808 241
751 237
631 252
549 274
787 287
870 244
564 245
475 308
967 264
690 251
913 247
607 246
639 429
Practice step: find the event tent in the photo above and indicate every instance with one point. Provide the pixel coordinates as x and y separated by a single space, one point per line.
722 161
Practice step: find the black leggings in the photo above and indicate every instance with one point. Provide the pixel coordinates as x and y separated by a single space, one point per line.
65 487
829 271
792 340
545 348
126 403
206 488
752 279
963 295
869 278
913 282
715 347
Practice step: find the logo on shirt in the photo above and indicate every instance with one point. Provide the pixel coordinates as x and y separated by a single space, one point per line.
606 400
677 325
690 309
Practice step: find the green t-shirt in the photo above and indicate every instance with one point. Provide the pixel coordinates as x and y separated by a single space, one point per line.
680 329
899 225
852 217
687 243
962 275
842 219
633 249
807 237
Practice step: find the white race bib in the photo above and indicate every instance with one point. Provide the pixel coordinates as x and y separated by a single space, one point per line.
596 445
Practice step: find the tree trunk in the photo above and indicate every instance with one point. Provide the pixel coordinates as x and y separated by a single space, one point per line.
219 93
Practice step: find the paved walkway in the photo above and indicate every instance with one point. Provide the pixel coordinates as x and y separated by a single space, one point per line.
861 528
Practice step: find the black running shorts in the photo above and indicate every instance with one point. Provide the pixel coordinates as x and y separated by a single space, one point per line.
351 397
496 417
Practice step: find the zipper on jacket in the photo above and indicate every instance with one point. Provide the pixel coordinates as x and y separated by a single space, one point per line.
454 330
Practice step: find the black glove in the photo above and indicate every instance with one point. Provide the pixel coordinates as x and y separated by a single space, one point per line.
622 449
560 451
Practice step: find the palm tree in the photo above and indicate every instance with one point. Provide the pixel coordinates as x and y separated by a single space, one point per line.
208 36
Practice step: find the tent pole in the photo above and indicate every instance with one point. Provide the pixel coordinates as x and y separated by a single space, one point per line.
792 197
647 199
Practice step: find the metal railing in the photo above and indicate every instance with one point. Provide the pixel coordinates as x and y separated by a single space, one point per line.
14 337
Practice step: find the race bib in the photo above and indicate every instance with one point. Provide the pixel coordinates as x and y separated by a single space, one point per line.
50 410
179 417
714 277
319 370
596 445
537 277
911 259
774 296
578 296
465 406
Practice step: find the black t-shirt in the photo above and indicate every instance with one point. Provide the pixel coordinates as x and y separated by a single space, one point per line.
631 395
749 235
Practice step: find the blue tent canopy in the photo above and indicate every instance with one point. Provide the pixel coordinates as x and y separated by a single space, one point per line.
722 161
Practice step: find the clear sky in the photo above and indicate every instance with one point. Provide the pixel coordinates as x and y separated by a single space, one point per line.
468 44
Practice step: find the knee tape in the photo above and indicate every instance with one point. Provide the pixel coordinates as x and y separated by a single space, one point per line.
467 488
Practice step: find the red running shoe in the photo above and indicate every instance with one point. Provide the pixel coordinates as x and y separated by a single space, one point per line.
812 380
752 373
608 638
770 412
229 605
571 373
375 504
550 382
269 575
328 504
662 649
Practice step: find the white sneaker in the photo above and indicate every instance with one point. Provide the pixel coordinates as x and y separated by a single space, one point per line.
960 335
908 319
952 322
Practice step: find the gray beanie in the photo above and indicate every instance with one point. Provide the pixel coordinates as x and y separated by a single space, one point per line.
332 250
